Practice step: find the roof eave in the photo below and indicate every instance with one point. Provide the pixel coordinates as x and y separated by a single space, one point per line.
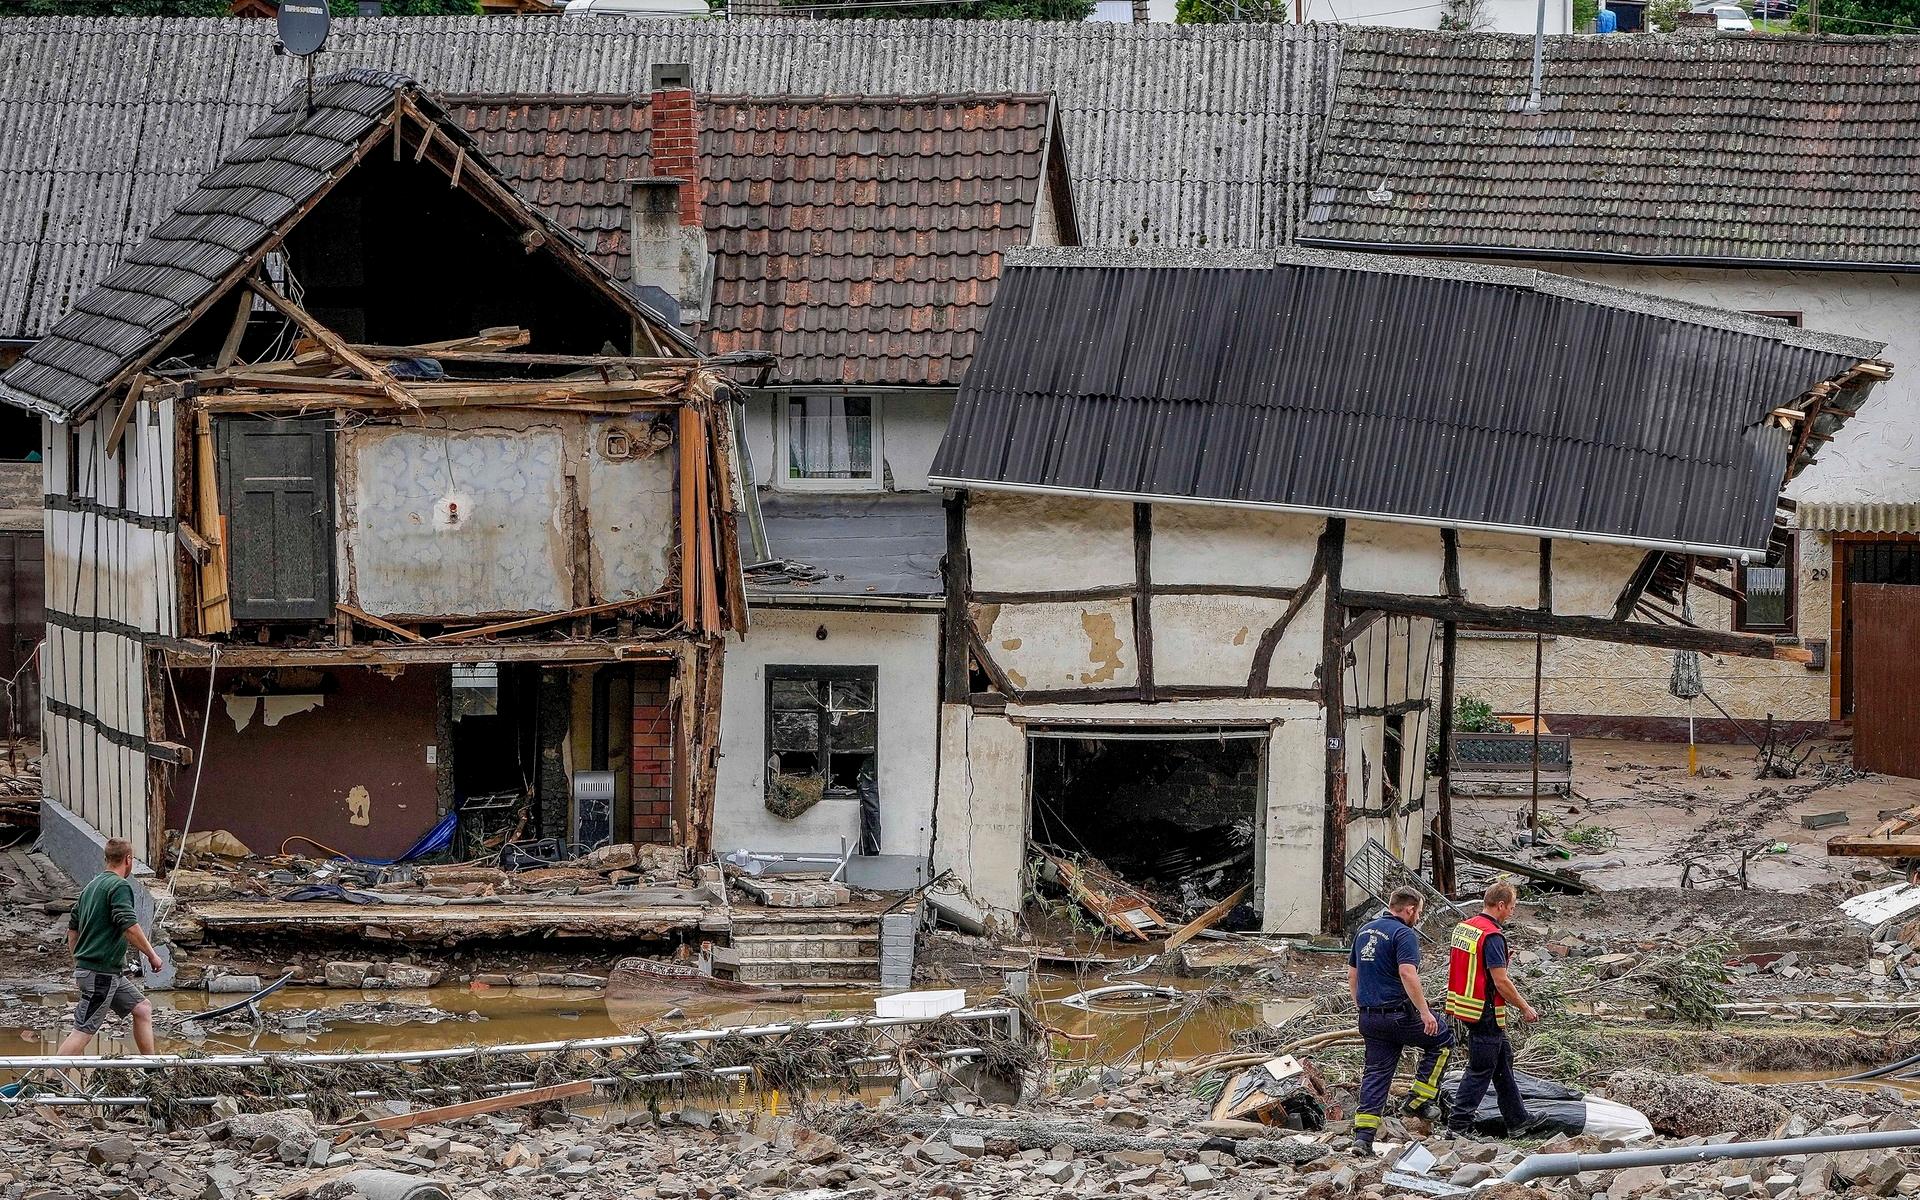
1729 262
1699 549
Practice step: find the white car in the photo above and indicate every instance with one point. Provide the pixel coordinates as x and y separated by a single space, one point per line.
638 8
1731 18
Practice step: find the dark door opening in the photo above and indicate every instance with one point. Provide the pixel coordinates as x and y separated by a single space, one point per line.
1178 817
493 714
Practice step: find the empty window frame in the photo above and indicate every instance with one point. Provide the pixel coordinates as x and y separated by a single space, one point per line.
829 442
822 729
1767 590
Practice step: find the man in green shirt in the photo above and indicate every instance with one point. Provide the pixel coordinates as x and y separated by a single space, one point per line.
98 932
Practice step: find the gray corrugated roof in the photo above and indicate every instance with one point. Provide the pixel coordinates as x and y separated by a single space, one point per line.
883 545
1742 149
1179 135
1449 393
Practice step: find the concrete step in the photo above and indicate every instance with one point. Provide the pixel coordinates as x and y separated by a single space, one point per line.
809 971
823 946
786 925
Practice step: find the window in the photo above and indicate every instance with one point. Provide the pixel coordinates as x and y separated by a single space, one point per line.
1767 590
476 690
830 442
821 729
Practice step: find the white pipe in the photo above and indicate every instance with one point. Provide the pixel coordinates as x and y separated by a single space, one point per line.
29 1062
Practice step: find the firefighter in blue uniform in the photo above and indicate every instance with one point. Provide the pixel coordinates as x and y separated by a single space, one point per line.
1384 974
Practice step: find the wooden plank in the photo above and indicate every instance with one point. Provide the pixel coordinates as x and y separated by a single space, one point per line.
230 345
198 548
125 414
1206 920
1333 868
688 485
541 619
1562 879
1861 845
367 618
216 612
192 652
1143 598
335 344
470 1108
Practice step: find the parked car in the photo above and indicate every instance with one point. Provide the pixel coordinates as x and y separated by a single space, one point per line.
1774 10
638 8
1731 18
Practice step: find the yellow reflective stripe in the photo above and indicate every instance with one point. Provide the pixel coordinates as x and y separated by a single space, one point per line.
1366 1121
1428 1088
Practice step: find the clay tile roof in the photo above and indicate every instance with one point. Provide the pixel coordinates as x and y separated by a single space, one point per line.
1738 148
857 238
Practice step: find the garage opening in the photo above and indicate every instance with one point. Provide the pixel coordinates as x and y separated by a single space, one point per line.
1177 814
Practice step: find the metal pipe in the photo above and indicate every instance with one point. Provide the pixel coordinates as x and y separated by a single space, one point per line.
1539 1166
28 1062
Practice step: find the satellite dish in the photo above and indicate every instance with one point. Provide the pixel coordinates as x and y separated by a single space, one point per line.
303 26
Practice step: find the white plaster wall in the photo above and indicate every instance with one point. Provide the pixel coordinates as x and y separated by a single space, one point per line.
1082 644
1296 659
1500 569
1407 560
905 647
1031 543
1210 544
912 422
982 828
1589 576
1211 639
1296 824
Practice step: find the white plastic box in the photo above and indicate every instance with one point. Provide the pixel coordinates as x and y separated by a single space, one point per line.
920 1005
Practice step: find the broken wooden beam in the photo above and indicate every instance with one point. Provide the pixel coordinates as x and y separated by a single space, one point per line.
589 610
1206 920
1602 629
368 619
334 343
469 1108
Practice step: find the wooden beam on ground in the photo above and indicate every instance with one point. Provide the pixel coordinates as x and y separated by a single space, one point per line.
470 1108
334 343
368 619
1892 838
1205 921
1602 629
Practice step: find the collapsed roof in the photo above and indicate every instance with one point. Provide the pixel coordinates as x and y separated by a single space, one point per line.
1359 385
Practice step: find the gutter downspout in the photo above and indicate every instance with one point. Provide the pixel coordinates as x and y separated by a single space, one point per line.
1540 1166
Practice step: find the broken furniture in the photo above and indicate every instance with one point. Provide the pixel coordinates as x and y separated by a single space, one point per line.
1896 837
1121 909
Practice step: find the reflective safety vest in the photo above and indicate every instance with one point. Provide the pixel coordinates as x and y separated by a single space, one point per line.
1469 985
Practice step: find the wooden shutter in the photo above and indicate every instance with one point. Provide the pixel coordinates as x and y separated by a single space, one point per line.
276 489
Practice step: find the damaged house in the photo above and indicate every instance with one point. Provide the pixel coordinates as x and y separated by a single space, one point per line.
378 514
1216 520
857 240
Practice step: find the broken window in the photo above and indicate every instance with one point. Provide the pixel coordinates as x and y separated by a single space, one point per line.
476 690
831 441
1767 590
822 733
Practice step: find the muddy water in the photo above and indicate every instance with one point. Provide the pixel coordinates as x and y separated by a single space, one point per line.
1812 1075
1116 1030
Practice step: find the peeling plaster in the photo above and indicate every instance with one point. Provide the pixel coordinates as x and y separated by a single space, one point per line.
359 806
278 708
1103 647
240 710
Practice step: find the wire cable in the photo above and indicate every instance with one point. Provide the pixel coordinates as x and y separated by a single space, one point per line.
199 767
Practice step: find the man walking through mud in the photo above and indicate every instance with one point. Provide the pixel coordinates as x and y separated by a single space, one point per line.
101 927
1383 973
1480 993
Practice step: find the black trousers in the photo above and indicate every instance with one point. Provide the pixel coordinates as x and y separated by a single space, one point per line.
1387 1034
1489 1062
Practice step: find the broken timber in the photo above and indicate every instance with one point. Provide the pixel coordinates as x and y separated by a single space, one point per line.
1896 837
1530 620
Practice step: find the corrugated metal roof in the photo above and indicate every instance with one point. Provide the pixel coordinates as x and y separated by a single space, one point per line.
1176 135
857 238
1741 149
884 545
1447 393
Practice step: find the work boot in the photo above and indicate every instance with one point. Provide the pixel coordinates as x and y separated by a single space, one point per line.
1426 1110
1363 1143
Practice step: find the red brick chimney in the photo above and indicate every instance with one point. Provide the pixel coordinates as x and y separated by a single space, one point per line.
676 135
672 270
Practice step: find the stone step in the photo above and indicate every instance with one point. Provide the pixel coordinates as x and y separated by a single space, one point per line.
793 971
832 946
795 928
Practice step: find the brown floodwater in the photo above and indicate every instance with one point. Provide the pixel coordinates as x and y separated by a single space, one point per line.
1117 1029
1814 1075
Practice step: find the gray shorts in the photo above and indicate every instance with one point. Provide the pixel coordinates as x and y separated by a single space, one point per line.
101 993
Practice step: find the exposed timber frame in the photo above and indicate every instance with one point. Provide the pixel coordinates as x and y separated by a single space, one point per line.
1531 620
1333 652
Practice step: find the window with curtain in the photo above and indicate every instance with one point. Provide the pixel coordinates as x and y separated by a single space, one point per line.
830 440
1767 591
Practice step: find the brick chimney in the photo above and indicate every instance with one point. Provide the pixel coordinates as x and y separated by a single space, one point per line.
672 270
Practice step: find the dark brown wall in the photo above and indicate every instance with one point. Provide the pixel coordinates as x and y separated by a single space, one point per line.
266 783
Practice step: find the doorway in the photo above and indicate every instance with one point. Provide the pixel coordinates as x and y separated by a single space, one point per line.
1883 558
1178 814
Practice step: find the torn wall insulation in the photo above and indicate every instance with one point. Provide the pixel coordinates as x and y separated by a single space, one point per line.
344 761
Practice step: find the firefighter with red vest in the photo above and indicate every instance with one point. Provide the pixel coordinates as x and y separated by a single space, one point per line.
1480 994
